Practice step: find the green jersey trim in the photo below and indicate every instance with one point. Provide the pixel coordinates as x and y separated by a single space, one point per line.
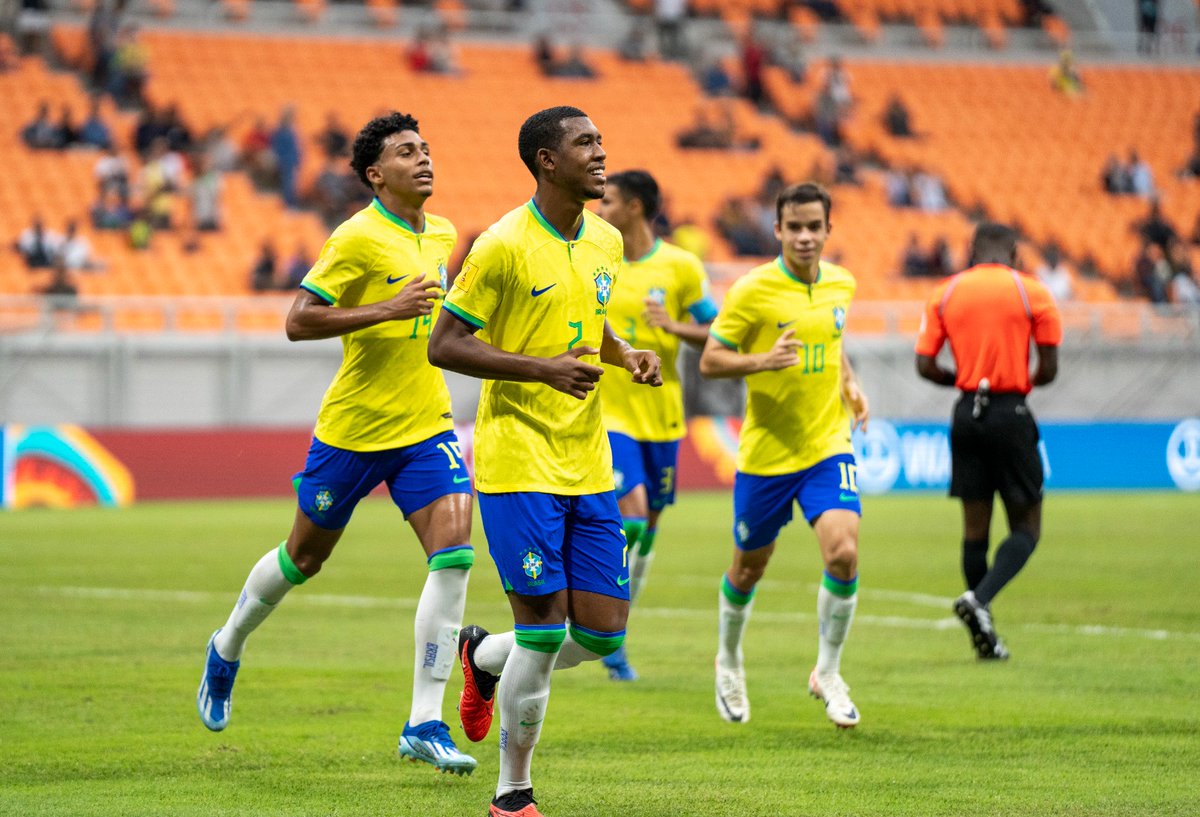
789 274
723 341
463 315
320 293
550 228
378 207
657 244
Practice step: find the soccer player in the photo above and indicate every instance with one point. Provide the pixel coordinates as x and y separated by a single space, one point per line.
990 313
385 418
781 327
536 288
661 286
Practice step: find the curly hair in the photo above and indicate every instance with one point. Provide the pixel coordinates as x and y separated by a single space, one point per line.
543 130
368 144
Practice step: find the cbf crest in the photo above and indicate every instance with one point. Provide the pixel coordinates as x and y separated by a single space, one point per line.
604 284
533 566
442 277
658 295
839 321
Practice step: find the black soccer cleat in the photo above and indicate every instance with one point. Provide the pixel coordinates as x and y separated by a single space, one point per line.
978 621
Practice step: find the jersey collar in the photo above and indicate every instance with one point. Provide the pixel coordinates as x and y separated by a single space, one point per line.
537 214
378 207
653 249
783 267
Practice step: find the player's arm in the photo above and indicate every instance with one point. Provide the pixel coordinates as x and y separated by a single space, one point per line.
313 318
1047 368
931 370
854 396
719 360
694 333
453 346
642 363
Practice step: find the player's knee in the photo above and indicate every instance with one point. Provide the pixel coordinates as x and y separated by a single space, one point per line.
1025 540
457 557
746 576
634 530
599 642
842 558
308 563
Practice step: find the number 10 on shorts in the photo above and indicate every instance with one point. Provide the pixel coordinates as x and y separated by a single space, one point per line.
849 480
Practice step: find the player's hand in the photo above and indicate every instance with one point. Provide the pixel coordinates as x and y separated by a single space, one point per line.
856 401
657 317
570 375
784 353
645 366
414 299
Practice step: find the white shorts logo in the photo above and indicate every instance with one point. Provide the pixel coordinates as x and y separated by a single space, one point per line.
1183 455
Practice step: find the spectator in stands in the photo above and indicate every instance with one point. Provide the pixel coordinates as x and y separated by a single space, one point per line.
941 259
257 158
296 267
103 25
161 178
443 57
75 252
1195 238
714 79
417 56
149 125
218 150
928 193
112 174
1064 76
41 133
914 263
263 273
94 132
845 168
9 59
1115 177
37 245
669 18
111 211
574 65
705 133
740 225
543 54
633 46
837 83
61 287
896 118
332 192
285 144
898 183
129 68
179 135
1183 288
333 139
1147 26
1152 273
1156 229
32 27
827 117
1054 274
66 132
790 57
753 58
1141 177
205 197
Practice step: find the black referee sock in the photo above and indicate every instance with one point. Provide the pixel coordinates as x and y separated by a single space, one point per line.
1011 556
974 561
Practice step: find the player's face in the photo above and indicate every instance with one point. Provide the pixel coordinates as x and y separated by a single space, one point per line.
579 159
615 208
404 166
802 231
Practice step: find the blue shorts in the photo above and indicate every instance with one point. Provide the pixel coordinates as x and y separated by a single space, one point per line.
334 479
651 464
543 543
763 505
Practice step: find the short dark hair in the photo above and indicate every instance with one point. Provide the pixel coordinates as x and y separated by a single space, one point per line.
368 144
543 130
640 185
803 193
993 243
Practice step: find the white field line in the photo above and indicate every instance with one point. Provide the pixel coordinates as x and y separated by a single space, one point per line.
639 611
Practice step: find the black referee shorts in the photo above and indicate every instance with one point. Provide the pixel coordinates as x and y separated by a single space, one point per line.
996 451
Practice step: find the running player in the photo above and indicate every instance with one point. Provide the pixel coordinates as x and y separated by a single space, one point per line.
661 286
536 288
781 326
385 418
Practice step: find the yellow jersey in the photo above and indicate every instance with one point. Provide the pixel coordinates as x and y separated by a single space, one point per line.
795 417
385 395
530 291
675 279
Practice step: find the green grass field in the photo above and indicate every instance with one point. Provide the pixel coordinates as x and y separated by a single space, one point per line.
104 616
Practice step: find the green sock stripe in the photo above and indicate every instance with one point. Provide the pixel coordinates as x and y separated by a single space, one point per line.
597 642
290 571
844 589
635 529
646 543
734 595
541 639
460 558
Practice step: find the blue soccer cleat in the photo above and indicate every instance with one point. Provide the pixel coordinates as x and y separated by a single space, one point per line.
214 700
618 666
430 743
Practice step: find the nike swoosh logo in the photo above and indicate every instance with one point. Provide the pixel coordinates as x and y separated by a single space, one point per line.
461 480
536 292
392 280
622 582
847 497
783 324
532 723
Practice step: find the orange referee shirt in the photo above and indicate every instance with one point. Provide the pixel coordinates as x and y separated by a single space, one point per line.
990 313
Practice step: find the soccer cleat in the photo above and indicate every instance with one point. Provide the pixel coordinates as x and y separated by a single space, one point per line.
978 620
479 686
214 699
733 704
430 742
618 666
518 803
833 691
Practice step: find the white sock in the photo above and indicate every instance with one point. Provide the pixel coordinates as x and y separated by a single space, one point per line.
835 613
639 568
435 631
492 652
572 654
265 588
523 696
732 624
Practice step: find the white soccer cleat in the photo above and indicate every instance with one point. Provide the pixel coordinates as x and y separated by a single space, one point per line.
833 691
733 704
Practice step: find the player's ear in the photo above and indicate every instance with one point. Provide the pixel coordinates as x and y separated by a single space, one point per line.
545 159
374 174
828 227
778 232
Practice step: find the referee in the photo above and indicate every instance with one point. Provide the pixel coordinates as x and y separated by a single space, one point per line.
990 313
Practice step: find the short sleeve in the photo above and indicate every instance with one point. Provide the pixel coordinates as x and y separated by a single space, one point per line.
1047 320
335 269
733 324
477 289
932 334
